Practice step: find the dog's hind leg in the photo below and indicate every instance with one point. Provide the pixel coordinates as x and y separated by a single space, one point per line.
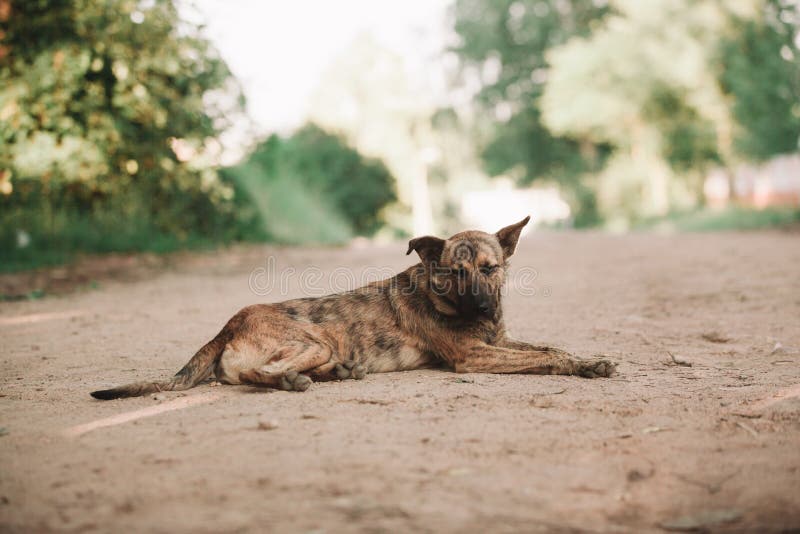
285 380
286 372
335 370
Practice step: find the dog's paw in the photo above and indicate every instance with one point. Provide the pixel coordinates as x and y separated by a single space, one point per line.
294 381
350 369
596 368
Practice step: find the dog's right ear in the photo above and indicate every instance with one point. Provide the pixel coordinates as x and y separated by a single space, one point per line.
428 247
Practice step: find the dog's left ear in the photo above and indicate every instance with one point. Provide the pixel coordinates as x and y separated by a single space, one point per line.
509 236
428 247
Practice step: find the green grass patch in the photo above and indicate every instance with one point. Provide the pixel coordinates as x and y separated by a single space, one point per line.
715 220
40 234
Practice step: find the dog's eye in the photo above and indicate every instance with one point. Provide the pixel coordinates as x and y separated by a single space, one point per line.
488 269
461 272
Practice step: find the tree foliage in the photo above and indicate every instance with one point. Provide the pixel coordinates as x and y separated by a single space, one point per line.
368 96
358 187
760 59
336 190
641 82
506 43
640 98
94 97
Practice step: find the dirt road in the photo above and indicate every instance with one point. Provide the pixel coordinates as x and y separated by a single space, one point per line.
710 442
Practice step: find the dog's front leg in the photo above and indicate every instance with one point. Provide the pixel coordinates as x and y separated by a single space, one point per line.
529 359
509 343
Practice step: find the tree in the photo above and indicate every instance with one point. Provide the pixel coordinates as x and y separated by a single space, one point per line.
96 99
357 186
641 82
760 70
676 86
634 101
504 44
314 171
367 96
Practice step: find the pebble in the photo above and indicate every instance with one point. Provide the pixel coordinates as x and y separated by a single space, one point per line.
268 425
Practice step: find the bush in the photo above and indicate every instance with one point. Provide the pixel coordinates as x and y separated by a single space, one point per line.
94 98
310 187
40 228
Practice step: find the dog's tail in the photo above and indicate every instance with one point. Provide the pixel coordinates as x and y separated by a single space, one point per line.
195 371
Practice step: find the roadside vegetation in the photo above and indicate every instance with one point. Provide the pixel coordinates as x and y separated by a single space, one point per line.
111 116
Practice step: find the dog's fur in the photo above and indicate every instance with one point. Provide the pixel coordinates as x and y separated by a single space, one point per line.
445 310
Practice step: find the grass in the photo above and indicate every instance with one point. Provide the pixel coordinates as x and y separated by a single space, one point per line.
38 257
730 218
278 211
69 234
288 215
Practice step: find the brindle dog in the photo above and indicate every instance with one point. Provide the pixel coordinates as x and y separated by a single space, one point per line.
445 310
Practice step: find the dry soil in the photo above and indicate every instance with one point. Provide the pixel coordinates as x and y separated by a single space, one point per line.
699 430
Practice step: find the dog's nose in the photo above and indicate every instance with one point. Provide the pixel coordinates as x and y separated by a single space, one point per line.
484 308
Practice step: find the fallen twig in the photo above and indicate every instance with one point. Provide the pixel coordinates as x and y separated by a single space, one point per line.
711 487
654 429
748 415
750 430
370 401
715 337
679 361
559 392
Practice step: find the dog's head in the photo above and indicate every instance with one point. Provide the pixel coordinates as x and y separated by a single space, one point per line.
466 272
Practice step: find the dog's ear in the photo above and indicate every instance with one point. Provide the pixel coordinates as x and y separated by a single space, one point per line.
509 236
428 247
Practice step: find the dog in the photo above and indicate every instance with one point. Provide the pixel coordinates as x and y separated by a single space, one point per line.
444 311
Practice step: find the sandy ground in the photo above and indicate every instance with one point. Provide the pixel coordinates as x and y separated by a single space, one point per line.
711 442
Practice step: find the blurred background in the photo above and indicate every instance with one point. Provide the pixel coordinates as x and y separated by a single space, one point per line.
155 125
